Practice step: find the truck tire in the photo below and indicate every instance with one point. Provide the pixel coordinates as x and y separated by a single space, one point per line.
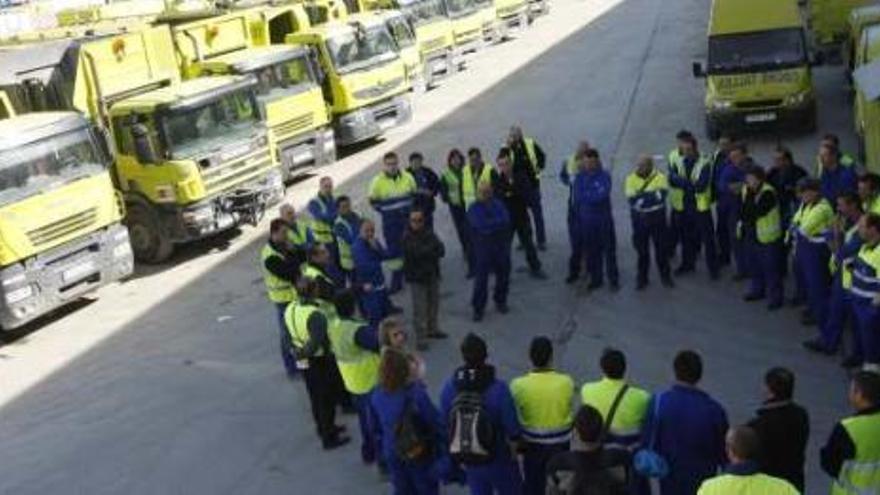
149 244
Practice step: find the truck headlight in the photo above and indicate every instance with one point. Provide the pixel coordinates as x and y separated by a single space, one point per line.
14 280
198 216
796 99
355 118
122 250
722 104
18 295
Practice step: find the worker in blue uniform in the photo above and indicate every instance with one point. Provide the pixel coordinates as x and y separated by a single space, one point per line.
427 187
844 158
760 231
845 243
492 233
809 228
501 475
836 178
596 237
690 197
322 209
567 172
368 255
865 290
451 182
346 230
646 190
728 194
391 194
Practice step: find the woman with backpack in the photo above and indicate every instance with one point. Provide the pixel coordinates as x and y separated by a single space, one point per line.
409 429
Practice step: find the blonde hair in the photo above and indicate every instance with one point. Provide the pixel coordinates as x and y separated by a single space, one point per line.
388 326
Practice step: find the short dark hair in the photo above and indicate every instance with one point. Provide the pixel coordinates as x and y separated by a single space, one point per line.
785 152
541 351
684 135
757 172
345 302
868 385
342 199
454 152
871 179
852 199
832 138
473 350
744 442
809 184
780 382
613 363
688 366
474 151
588 424
740 146
388 156
872 220
591 153
276 225
416 155
503 152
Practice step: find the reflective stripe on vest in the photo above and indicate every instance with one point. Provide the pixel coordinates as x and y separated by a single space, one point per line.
359 367
393 193
845 274
769 227
813 221
676 195
656 184
296 317
346 261
279 290
866 272
469 185
861 475
543 404
453 187
322 231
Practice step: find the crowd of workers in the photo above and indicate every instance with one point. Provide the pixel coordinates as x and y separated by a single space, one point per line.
322 272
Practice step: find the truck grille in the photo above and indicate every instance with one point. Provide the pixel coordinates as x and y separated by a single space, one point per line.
431 44
759 103
49 233
511 10
467 36
219 178
295 126
379 89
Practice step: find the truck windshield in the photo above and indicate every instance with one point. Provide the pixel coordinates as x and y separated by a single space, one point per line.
747 52
423 11
47 164
194 130
351 52
402 32
282 78
481 4
460 8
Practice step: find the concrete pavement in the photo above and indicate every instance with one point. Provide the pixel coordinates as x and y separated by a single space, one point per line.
171 382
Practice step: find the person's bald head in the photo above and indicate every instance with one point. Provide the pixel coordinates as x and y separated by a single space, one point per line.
287 213
742 444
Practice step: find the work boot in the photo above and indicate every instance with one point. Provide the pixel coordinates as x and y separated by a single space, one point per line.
570 279
641 285
807 319
813 345
851 362
542 247
752 297
667 282
739 277
614 286
774 306
683 270
595 285
478 316
538 274
336 442
502 308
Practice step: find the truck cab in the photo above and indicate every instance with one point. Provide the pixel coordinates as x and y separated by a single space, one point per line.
859 20
467 26
192 158
407 46
287 88
758 69
512 17
61 234
365 81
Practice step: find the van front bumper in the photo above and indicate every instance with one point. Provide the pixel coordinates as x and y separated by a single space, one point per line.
371 121
778 117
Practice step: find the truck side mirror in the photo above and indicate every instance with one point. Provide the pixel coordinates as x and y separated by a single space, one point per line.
698 71
143 145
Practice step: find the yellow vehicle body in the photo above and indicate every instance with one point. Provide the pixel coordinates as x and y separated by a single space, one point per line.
60 219
192 158
859 20
297 116
467 26
758 71
512 16
488 17
828 19
407 46
866 109
6 109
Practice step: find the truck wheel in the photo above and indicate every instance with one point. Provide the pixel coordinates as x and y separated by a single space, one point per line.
148 242
712 131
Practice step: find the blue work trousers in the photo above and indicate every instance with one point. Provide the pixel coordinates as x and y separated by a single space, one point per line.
411 478
596 242
867 318
533 202
285 341
534 465
462 229
696 230
368 439
730 247
650 229
836 319
393 228
489 261
375 304
500 477
765 269
811 259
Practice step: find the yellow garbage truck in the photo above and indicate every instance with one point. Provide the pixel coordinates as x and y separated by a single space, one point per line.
866 104
61 232
759 68
191 158
287 84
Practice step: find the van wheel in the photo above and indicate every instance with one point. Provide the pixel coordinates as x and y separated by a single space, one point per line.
149 244
712 131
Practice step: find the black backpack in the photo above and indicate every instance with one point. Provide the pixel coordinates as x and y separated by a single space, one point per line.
412 438
471 431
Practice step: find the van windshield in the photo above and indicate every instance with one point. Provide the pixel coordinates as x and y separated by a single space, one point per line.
423 11
194 130
747 52
460 8
402 32
361 49
282 78
47 164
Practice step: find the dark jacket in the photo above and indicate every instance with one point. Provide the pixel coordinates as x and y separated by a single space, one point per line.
513 195
523 171
783 428
428 184
785 180
755 206
604 471
286 266
422 251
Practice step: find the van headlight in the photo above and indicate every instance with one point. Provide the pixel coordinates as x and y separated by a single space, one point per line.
796 99
722 104
18 295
